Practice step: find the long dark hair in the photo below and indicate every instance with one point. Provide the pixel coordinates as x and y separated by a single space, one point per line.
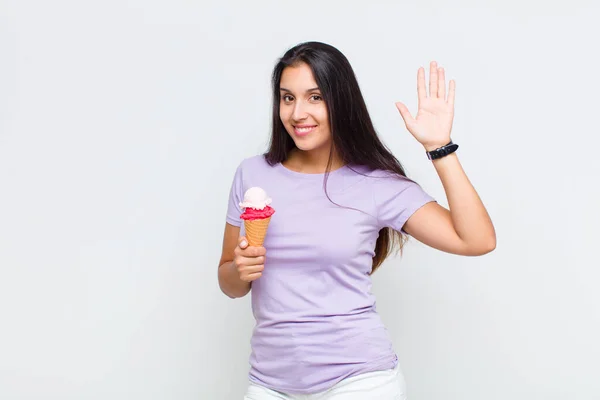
354 137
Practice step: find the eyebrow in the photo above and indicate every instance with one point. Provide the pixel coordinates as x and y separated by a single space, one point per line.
315 89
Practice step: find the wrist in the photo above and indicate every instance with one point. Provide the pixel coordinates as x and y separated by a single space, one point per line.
445 159
441 151
430 147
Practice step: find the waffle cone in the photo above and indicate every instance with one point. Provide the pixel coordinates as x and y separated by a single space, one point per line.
256 230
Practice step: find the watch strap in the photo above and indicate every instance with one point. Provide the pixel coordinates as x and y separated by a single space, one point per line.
442 151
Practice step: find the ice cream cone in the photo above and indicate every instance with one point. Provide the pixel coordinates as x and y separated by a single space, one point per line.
257 215
256 230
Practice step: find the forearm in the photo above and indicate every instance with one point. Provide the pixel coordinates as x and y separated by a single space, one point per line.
471 220
230 282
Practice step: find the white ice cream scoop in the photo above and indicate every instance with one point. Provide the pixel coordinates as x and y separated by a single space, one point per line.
256 198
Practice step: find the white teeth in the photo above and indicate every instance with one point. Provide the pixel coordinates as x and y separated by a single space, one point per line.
304 129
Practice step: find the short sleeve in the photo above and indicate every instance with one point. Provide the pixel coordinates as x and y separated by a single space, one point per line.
236 194
396 199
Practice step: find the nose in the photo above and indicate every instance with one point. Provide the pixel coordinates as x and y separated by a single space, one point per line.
299 112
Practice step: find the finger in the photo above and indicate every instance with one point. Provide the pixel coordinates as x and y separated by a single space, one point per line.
421 91
252 269
441 83
451 92
433 79
242 242
248 261
252 277
406 116
254 251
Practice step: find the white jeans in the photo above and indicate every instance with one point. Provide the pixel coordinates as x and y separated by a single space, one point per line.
379 385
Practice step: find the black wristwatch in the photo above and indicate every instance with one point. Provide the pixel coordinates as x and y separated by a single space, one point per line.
442 151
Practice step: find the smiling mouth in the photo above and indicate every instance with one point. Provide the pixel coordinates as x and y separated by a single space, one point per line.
304 130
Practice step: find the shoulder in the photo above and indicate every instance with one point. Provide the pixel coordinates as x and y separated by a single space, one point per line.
256 171
380 176
252 165
389 187
256 163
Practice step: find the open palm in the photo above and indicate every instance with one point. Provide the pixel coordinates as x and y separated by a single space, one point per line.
433 123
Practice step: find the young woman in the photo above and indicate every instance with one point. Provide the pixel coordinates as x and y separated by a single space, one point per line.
342 201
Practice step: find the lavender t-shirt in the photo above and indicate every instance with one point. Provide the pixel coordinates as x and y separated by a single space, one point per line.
316 320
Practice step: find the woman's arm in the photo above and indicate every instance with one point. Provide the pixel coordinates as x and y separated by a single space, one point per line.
229 278
466 228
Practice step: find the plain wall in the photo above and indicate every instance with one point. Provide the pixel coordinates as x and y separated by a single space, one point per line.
122 123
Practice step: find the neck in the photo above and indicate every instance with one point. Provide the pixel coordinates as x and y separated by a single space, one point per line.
312 162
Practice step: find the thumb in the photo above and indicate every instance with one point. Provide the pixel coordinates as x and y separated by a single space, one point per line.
242 242
404 113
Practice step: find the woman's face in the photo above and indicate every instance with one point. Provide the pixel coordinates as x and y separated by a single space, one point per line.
302 109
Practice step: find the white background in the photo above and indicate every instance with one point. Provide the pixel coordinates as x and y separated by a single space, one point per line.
122 123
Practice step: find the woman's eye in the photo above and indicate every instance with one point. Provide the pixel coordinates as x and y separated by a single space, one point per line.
287 98
316 97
